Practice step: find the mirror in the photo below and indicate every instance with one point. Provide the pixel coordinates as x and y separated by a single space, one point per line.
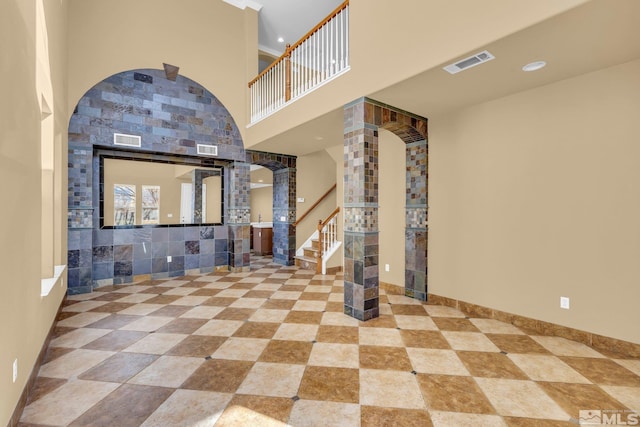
143 192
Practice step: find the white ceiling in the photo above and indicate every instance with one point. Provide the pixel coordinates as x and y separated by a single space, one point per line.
593 36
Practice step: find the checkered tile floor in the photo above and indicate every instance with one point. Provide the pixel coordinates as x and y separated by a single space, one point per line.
271 347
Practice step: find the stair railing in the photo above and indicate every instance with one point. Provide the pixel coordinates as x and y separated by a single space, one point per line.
327 237
324 196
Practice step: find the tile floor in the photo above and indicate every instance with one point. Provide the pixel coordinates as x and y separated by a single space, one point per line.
271 347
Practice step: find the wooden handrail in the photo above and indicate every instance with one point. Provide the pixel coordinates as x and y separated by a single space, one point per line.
321 223
289 48
299 220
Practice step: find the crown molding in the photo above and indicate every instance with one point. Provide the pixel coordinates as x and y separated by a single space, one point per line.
243 4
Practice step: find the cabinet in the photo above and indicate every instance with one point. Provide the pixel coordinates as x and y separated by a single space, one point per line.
262 240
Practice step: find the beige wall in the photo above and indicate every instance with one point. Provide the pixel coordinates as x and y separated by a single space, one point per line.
315 174
378 59
213 43
262 204
391 201
337 155
535 196
25 316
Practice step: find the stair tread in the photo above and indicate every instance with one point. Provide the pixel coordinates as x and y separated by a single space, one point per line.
305 258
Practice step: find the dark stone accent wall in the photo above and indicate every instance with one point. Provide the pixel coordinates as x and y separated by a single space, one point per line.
172 117
362 119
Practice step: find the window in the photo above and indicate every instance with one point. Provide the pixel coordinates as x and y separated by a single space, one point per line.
151 204
124 204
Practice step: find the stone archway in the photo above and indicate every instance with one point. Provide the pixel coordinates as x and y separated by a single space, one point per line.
284 202
362 119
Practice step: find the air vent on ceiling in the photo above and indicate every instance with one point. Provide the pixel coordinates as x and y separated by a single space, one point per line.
127 140
208 150
469 62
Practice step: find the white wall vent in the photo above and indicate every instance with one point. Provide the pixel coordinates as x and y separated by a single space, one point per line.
469 62
127 140
208 150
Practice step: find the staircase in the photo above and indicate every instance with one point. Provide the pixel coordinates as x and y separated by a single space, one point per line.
320 246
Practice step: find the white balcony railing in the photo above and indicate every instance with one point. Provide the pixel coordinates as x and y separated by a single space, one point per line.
321 55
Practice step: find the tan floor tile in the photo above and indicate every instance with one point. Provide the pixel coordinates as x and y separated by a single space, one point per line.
221 328
536 422
435 361
629 396
453 393
171 311
564 347
296 332
74 396
196 346
334 355
416 322
155 343
130 289
181 291
307 413
163 299
424 339
338 319
113 321
81 320
204 292
223 376
292 352
241 349
490 365
313 305
450 419
455 324
442 311
603 371
168 371
492 326
202 312
379 357
257 330
278 304
264 295
518 398
142 309
119 367
147 324
373 416
380 336
471 341
547 368
136 298
632 365
182 326
219 301
330 384
128 405
517 344
403 300
391 389
304 282
84 297
576 397
381 321
320 289
112 307
232 293
408 309
43 386
230 313
264 315
246 302
288 295
79 337
189 408
263 411
84 306
336 297
267 287
338 334
334 306
306 317
74 363
272 379
189 300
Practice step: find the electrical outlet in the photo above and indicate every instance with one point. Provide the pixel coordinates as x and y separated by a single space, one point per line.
15 370
169 258
564 303
386 267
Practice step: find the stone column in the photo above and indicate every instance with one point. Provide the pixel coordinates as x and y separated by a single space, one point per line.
416 221
237 188
284 215
361 281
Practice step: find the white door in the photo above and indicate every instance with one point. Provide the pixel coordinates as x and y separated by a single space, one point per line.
186 211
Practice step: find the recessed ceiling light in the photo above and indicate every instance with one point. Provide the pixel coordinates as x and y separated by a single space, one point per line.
534 66
260 180
319 138
280 40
